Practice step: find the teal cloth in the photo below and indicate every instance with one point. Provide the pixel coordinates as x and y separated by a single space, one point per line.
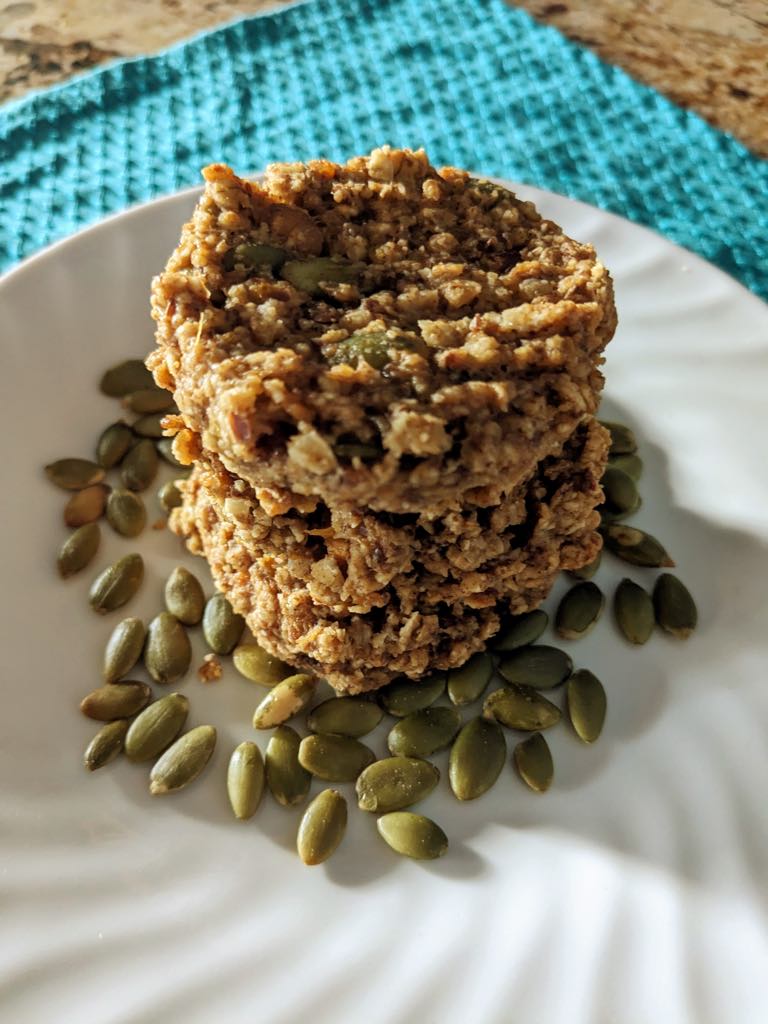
475 82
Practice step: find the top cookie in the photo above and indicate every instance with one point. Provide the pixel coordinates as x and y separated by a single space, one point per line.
379 333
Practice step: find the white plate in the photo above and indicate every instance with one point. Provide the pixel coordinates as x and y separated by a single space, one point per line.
634 891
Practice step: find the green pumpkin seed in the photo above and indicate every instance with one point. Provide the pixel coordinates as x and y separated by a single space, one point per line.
521 707
322 827
168 652
115 700
311 274
466 684
139 467
106 745
345 716
170 496
412 835
539 666
123 649
394 783
633 609
222 627
245 780
477 758
117 584
533 760
334 758
86 506
250 255
126 513
622 439
586 572
424 732
635 546
578 612
405 696
287 780
183 762
122 379
675 609
357 450
632 465
621 495
148 401
150 425
164 448
284 700
586 703
257 665
156 727
374 347
521 631
74 474
78 550
184 596
113 443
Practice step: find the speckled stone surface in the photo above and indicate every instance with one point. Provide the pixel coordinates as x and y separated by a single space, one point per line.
709 55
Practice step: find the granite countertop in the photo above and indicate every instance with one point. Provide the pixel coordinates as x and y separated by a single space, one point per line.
709 55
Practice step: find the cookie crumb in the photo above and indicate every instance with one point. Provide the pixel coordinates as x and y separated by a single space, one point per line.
210 670
159 524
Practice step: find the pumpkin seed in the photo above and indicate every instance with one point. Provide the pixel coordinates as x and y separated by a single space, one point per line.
256 664
633 609
156 727
250 255
521 631
86 506
622 439
184 596
169 496
374 347
632 465
334 758
122 379
586 572
168 652
322 827
123 649
394 783
150 425
674 606
74 474
139 467
635 546
586 703
533 760
620 491
287 780
147 401
106 745
356 450
113 443
521 707
284 701
311 274
117 584
115 700
477 757
412 835
245 780
578 611
467 683
222 627
345 716
539 666
183 762
404 696
126 513
424 732
78 550
164 448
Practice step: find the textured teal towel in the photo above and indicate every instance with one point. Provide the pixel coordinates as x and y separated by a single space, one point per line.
476 83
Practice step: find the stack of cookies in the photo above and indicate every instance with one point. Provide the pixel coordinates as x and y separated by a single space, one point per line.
387 377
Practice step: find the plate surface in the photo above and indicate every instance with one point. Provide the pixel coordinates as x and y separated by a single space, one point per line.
634 891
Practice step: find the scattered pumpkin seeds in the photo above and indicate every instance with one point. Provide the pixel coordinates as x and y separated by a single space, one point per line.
117 584
622 439
184 596
334 758
126 513
586 572
86 506
123 649
74 474
183 762
322 827
167 652
116 700
521 707
539 666
477 758
122 379
466 684
245 780
633 610
106 745
345 716
156 727
674 606
404 696
635 546
533 760
586 703
222 626
424 732
284 701
394 783
113 443
147 401
632 465
578 611
287 780
169 496
258 665
150 425
78 550
311 274
139 467
521 631
412 835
